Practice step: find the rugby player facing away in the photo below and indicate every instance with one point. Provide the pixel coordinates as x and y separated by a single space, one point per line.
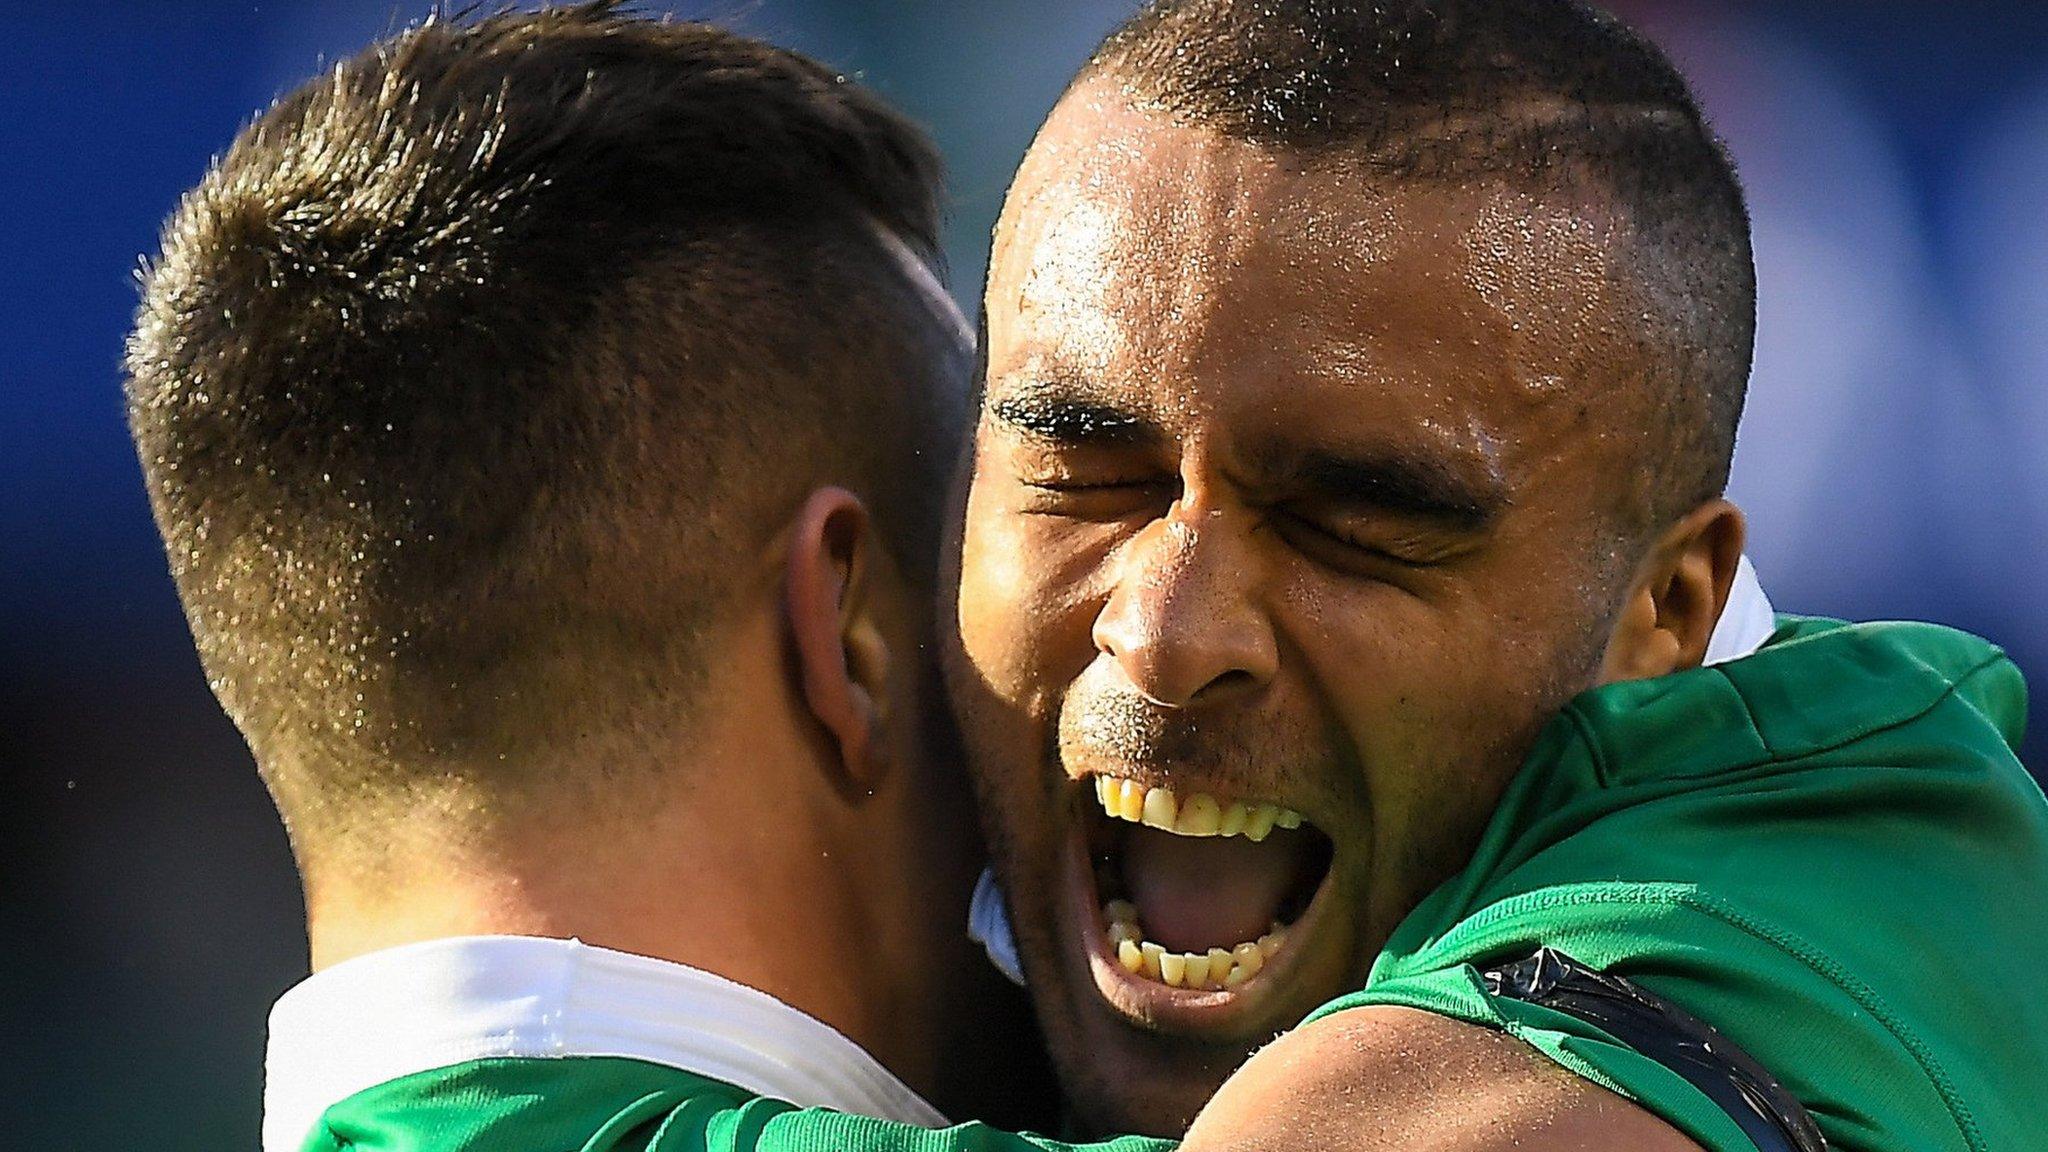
1345 540
548 418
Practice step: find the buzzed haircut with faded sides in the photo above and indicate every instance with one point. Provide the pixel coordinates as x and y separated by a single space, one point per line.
472 378
1545 95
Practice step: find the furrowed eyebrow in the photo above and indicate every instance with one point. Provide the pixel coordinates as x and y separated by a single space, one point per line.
1049 413
1403 485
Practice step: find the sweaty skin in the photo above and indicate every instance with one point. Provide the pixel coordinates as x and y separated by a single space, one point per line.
1298 487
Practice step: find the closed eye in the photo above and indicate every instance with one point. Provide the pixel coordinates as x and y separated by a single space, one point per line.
1091 485
1337 549
1097 499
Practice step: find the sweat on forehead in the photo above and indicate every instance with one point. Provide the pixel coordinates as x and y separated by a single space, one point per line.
1183 273
1126 234
1124 226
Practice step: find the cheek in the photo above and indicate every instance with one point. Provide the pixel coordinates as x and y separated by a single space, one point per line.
1434 705
1386 661
1030 588
1427 688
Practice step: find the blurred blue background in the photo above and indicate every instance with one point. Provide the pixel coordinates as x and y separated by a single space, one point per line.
1892 458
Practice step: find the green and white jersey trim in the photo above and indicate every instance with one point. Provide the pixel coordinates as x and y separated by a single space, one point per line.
405 1010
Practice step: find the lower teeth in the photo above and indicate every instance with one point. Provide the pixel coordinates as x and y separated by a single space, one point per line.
1216 968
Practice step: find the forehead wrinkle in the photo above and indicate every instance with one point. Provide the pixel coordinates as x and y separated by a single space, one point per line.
1520 366
1219 222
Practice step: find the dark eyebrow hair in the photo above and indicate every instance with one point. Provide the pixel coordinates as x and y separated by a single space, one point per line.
1052 412
1403 484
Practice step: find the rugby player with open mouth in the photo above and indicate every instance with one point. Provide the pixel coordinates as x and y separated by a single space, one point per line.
1284 542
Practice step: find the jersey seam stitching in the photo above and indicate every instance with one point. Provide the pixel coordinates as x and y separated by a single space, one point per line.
1603 774
1593 746
1749 714
1773 755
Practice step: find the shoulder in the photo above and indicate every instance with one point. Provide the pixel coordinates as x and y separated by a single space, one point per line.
1385 1077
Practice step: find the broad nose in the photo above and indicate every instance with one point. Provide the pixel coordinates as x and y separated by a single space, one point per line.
1183 622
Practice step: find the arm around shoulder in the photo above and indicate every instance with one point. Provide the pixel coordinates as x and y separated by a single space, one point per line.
1377 1077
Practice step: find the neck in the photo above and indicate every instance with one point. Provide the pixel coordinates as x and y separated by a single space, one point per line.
746 868
788 924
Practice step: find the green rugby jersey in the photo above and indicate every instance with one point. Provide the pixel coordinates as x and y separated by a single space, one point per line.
1827 851
608 1104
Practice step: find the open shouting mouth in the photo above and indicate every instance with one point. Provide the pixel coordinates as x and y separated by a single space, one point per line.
1198 906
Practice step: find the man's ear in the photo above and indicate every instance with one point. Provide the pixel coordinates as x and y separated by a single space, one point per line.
842 659
1677 596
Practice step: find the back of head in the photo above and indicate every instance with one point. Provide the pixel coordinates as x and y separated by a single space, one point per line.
1551 97
470 374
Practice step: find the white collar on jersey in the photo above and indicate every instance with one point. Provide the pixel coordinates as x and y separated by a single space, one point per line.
1746 621
422 1006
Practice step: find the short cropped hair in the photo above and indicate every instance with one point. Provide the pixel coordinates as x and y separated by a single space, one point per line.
471 378
1541 94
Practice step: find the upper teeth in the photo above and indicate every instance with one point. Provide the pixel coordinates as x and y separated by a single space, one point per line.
1199 815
